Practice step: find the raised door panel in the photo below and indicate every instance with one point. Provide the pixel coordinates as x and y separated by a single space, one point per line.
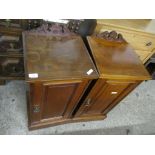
101 96
121 96
57 98
54 100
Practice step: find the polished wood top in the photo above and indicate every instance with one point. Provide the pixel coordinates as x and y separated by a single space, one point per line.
116 60
56 58
143 25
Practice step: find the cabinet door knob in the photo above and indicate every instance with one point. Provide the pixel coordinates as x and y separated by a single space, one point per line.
88 102
149 44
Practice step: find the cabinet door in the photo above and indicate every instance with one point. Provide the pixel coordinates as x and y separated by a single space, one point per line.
103 94
54 100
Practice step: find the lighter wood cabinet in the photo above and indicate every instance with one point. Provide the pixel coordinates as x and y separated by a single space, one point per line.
120 71
102 95
140 34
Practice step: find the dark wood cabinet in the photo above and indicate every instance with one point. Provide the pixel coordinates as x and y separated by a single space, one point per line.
58 72
120 71
54 101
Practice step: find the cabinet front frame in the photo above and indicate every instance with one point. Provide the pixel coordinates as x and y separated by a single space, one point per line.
36 98
99 89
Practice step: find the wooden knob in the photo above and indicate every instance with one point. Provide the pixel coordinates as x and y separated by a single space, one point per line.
88 102
149 44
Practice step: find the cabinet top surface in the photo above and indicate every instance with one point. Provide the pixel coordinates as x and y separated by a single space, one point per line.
144 25
56 58
117 61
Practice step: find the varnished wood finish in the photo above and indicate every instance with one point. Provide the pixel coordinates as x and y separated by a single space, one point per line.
121 96
54 122
102 95
139 33
120 72
62 64
117 60
57 58
64 90
35 94
59 99
55 100
142 25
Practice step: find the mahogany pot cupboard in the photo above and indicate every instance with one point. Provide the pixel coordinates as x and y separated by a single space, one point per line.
66 84
120 71
58 70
